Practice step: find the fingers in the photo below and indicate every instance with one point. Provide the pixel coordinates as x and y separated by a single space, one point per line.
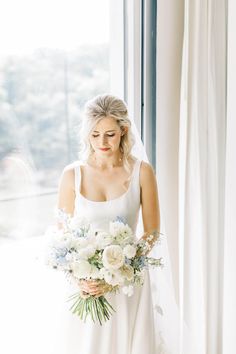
92 287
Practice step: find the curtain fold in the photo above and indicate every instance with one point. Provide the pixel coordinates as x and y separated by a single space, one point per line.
229 304
170 26
204 177
191 152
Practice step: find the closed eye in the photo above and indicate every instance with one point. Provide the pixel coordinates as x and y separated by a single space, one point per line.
110 135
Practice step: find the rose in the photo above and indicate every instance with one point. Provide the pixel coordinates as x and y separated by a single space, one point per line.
112 277
129 251
113 257
127 272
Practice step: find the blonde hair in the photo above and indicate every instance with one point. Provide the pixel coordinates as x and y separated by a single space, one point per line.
103 106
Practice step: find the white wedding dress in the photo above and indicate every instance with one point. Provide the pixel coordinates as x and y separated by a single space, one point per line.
34 311
130 329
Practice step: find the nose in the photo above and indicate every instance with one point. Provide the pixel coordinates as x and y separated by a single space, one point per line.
103 139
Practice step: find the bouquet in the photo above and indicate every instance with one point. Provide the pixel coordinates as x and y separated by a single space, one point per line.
114 258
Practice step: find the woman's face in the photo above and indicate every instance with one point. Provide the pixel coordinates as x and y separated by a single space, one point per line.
105 137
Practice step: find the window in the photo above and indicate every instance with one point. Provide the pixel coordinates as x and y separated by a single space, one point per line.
55 56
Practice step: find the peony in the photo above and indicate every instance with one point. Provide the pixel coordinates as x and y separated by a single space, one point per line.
113 257
129 251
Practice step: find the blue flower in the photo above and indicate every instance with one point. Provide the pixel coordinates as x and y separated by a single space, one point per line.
61 252
121 219
61 260
127 261
140 262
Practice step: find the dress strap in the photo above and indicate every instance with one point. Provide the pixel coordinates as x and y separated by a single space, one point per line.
77 172
136 177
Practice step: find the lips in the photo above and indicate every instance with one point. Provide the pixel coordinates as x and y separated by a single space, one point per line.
104 149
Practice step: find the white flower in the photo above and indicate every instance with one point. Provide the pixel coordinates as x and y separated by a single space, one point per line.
95 273
112 277
69 257
129 251
139 277
127 272
82 269
81 243
77 222
128 290
62 239
122 233
103 239
91 233
113 257
87 252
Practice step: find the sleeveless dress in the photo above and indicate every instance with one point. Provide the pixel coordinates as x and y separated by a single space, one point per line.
130 329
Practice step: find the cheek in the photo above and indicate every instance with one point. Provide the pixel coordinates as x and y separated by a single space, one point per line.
93 141
116 140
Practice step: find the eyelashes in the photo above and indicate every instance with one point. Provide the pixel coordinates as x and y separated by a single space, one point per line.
95 136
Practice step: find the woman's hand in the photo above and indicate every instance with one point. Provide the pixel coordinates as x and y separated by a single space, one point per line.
148 240
93 287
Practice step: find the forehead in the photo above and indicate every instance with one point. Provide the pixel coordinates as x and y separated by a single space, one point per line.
108 123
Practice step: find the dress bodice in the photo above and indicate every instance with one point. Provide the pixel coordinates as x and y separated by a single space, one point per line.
100 213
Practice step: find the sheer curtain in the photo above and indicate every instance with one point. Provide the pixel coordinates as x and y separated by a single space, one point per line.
229 298
170 28
191 141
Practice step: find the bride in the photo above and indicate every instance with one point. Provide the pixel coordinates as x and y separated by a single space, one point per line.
107 182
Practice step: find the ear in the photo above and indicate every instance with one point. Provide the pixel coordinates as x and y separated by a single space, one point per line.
124 131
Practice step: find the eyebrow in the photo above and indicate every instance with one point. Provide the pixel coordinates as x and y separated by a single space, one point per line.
95 131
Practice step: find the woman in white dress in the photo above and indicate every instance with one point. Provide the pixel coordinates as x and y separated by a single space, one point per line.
106 183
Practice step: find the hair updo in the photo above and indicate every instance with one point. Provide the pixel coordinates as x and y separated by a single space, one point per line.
104 106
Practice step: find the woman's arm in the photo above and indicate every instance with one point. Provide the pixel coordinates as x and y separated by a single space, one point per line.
66 191
150 203
66 200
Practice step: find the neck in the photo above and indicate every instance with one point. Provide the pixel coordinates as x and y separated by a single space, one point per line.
106 162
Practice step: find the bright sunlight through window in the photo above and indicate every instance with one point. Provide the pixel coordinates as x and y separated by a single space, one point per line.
54 57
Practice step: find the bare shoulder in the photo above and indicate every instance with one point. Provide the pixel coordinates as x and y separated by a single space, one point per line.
66 192
68 174
147 173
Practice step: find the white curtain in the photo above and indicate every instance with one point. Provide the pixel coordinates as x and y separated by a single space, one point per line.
170 26
229 303
169 52
191 140
204 99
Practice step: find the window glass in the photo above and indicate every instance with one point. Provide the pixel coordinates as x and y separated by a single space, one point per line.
54 57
